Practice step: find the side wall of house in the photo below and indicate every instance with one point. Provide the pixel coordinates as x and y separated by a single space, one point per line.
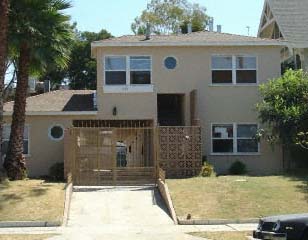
216 104
43 151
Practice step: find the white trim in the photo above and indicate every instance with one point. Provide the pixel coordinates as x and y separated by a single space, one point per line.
234 70
235 152
49 132
28 127
133 88
189 44
55 113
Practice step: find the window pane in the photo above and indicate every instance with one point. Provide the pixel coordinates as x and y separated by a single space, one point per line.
222 76
6 131
115 78
26 147
246 63
5 145
56 132
170 63
246 131
115 63
222 131
143 77
222 146
222 62
246 76
140 63
26 132
247 145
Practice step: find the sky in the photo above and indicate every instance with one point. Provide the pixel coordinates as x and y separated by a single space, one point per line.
116 16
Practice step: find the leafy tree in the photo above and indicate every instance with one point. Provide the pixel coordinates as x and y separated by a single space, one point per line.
81 69
39 36
4 16
168 16
284 108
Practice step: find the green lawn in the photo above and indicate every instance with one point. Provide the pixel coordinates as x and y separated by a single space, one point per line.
31 200
239 197
223 235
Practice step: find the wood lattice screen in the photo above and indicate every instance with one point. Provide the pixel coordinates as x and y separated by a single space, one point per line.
180 151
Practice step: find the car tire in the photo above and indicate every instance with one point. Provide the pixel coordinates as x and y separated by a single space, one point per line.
305 235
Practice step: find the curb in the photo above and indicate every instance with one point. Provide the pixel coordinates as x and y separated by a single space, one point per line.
67 202
29 224
164 191
217 221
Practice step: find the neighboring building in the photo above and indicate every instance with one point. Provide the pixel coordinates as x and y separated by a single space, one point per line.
287 20
176 80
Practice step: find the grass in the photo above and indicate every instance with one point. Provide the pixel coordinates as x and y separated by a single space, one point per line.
239 197
25 237
223 235
31 200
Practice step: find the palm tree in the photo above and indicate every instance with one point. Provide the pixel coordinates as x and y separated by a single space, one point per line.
4 16
39 35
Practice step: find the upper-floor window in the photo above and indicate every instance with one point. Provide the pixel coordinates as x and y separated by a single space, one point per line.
234 70
128 70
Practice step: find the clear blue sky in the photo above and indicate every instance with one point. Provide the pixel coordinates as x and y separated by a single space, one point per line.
117 15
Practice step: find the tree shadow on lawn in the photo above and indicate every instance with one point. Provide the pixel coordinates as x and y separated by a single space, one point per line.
11 196
302 179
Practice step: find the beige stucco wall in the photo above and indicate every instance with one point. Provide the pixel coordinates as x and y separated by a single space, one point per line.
44 152
216 104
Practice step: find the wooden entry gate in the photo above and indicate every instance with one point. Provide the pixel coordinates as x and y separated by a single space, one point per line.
110 156
131 155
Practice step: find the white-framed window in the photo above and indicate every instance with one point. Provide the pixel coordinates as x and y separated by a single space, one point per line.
222 69
234 69
115 70
222 138
6 137
234 138
128 70
56 132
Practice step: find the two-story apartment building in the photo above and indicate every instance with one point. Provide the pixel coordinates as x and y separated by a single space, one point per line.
205 78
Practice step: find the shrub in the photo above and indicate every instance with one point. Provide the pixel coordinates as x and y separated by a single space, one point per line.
56 172
237 168
207 170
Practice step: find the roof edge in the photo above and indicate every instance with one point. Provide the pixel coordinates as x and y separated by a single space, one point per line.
187 44
54 113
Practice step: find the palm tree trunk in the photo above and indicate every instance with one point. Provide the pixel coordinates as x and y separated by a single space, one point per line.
4 16
14 161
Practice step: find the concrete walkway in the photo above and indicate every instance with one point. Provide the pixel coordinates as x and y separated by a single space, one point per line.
123 213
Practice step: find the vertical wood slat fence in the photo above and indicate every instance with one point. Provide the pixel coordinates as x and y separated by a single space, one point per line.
110 156
129 156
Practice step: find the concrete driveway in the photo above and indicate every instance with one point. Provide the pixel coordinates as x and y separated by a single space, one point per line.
120 206
120 213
